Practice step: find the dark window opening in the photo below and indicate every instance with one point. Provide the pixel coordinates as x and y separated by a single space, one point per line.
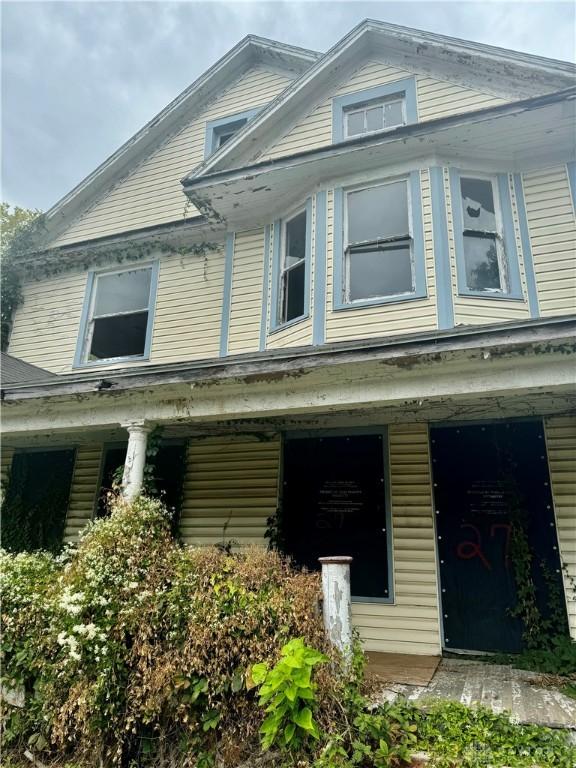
119 336
36 504
334 504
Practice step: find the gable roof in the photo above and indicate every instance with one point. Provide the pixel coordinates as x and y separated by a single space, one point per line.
249 51
525 75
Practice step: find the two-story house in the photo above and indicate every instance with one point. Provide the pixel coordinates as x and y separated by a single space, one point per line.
343 287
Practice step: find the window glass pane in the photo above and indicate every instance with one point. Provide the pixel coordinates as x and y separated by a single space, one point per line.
393 114
293 300
122 292
380 273
355 123
222 138
295 240
374 119
121 336
482 268
378 212
478 204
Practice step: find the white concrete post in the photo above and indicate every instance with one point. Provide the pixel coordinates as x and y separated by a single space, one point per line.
133 476
337 601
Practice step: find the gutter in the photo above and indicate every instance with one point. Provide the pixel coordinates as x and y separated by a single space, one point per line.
298 359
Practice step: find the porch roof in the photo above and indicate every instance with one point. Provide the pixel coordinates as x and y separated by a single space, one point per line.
271 365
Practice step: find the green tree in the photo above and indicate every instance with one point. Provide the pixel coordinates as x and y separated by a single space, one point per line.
17 226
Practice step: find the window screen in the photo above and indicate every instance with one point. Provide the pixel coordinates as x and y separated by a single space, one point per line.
374 116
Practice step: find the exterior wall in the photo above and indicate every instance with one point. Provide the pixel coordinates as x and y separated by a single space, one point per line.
411 624
435 98
152 194
473 310
552 228
561 445
230 489
186 322
84 490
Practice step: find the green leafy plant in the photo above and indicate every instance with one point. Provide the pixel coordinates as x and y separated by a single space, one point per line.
287 693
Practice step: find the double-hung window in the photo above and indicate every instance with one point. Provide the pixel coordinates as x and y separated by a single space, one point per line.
119 314
373 116
378 248
292 293
484 256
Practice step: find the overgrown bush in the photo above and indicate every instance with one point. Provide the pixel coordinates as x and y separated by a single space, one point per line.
132 647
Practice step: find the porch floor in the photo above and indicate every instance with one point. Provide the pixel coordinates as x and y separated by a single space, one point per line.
497 686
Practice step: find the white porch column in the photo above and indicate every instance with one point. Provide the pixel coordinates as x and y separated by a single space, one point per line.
337 601
133 476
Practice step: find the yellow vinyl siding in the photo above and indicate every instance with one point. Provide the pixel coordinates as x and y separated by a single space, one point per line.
297 335
475 310
188 307
383 319
561 445
46 324
435 98
230 489
84 490
552 228
151 193
246 296
411 624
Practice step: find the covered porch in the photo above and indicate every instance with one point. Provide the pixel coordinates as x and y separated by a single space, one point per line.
228 430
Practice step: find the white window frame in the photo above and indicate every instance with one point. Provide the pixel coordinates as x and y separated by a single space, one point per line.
284 270
88 326
361 301
364 106
499 233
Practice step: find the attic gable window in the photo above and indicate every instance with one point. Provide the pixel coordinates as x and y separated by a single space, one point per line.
117 321
373 110
374 116
221 130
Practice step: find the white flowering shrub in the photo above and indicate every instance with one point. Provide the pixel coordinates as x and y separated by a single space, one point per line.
131 647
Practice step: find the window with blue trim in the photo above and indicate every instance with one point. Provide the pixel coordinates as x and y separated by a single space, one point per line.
291 270
118 321
486 258
221 130
382 244
372 110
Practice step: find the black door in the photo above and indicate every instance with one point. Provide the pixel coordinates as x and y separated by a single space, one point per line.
334 504
493 500
34 513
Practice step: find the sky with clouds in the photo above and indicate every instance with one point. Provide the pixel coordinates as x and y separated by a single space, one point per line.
79 78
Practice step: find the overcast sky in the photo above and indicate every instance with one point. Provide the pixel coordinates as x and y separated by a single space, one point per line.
79 78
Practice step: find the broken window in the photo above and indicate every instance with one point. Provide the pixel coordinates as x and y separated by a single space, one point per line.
483 243
119 315
374 116
378 243
293 269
